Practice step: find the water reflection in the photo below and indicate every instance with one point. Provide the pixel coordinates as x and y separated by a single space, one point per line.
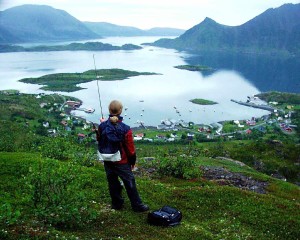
267 73
159 95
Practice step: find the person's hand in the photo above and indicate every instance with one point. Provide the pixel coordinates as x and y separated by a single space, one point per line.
94 129
102 120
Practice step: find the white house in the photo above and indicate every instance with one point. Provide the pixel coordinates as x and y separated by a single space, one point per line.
46 124
137 138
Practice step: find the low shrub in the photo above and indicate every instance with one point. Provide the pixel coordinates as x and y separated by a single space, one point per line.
8 215
180 167
57 195
57 148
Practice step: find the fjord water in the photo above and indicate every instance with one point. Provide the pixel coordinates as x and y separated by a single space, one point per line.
153 98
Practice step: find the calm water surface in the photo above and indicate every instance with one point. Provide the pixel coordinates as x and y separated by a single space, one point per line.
148 98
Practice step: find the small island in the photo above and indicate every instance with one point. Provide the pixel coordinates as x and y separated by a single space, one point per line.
88 46
66 82
194 68
201 101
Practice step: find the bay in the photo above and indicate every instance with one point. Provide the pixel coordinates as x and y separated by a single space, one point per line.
147 98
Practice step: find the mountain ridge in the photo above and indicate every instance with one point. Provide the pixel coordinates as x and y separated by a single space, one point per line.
31 23
109 29
38 23
275 30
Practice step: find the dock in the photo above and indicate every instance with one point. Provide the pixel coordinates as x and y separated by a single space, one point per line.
87 110
264 107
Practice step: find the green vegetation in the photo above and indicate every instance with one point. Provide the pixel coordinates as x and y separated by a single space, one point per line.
88 46
10 91
23 117
194 68
26 107
46 198
288 102
52 187
280 97
66 82
201 101
272 153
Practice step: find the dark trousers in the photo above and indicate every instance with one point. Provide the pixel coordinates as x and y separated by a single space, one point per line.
113 172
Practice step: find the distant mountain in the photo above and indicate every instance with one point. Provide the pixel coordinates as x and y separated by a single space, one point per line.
32 23
38 23
272 31
6 36
108 29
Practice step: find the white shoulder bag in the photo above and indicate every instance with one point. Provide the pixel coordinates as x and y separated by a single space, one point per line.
110 157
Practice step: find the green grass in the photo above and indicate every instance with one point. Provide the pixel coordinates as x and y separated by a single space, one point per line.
209 211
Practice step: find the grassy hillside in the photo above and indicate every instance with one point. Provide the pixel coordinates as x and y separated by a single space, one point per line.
52 187
210 210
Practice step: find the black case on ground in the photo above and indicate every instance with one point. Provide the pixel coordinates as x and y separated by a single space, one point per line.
166 216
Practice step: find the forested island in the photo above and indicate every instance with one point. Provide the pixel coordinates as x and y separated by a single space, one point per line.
66 82
201 101
194 68
88 46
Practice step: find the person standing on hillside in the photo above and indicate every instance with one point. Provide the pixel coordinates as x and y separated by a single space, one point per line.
116 149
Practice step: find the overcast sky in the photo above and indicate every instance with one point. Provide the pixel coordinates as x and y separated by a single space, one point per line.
146 14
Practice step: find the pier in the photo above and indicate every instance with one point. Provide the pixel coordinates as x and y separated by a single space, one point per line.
264 107
87 110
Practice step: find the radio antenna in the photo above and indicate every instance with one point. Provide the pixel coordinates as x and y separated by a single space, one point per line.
97 77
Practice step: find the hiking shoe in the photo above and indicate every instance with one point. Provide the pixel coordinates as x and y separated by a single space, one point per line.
141 208
117 207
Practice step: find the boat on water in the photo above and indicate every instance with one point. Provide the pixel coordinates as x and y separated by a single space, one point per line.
89 110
